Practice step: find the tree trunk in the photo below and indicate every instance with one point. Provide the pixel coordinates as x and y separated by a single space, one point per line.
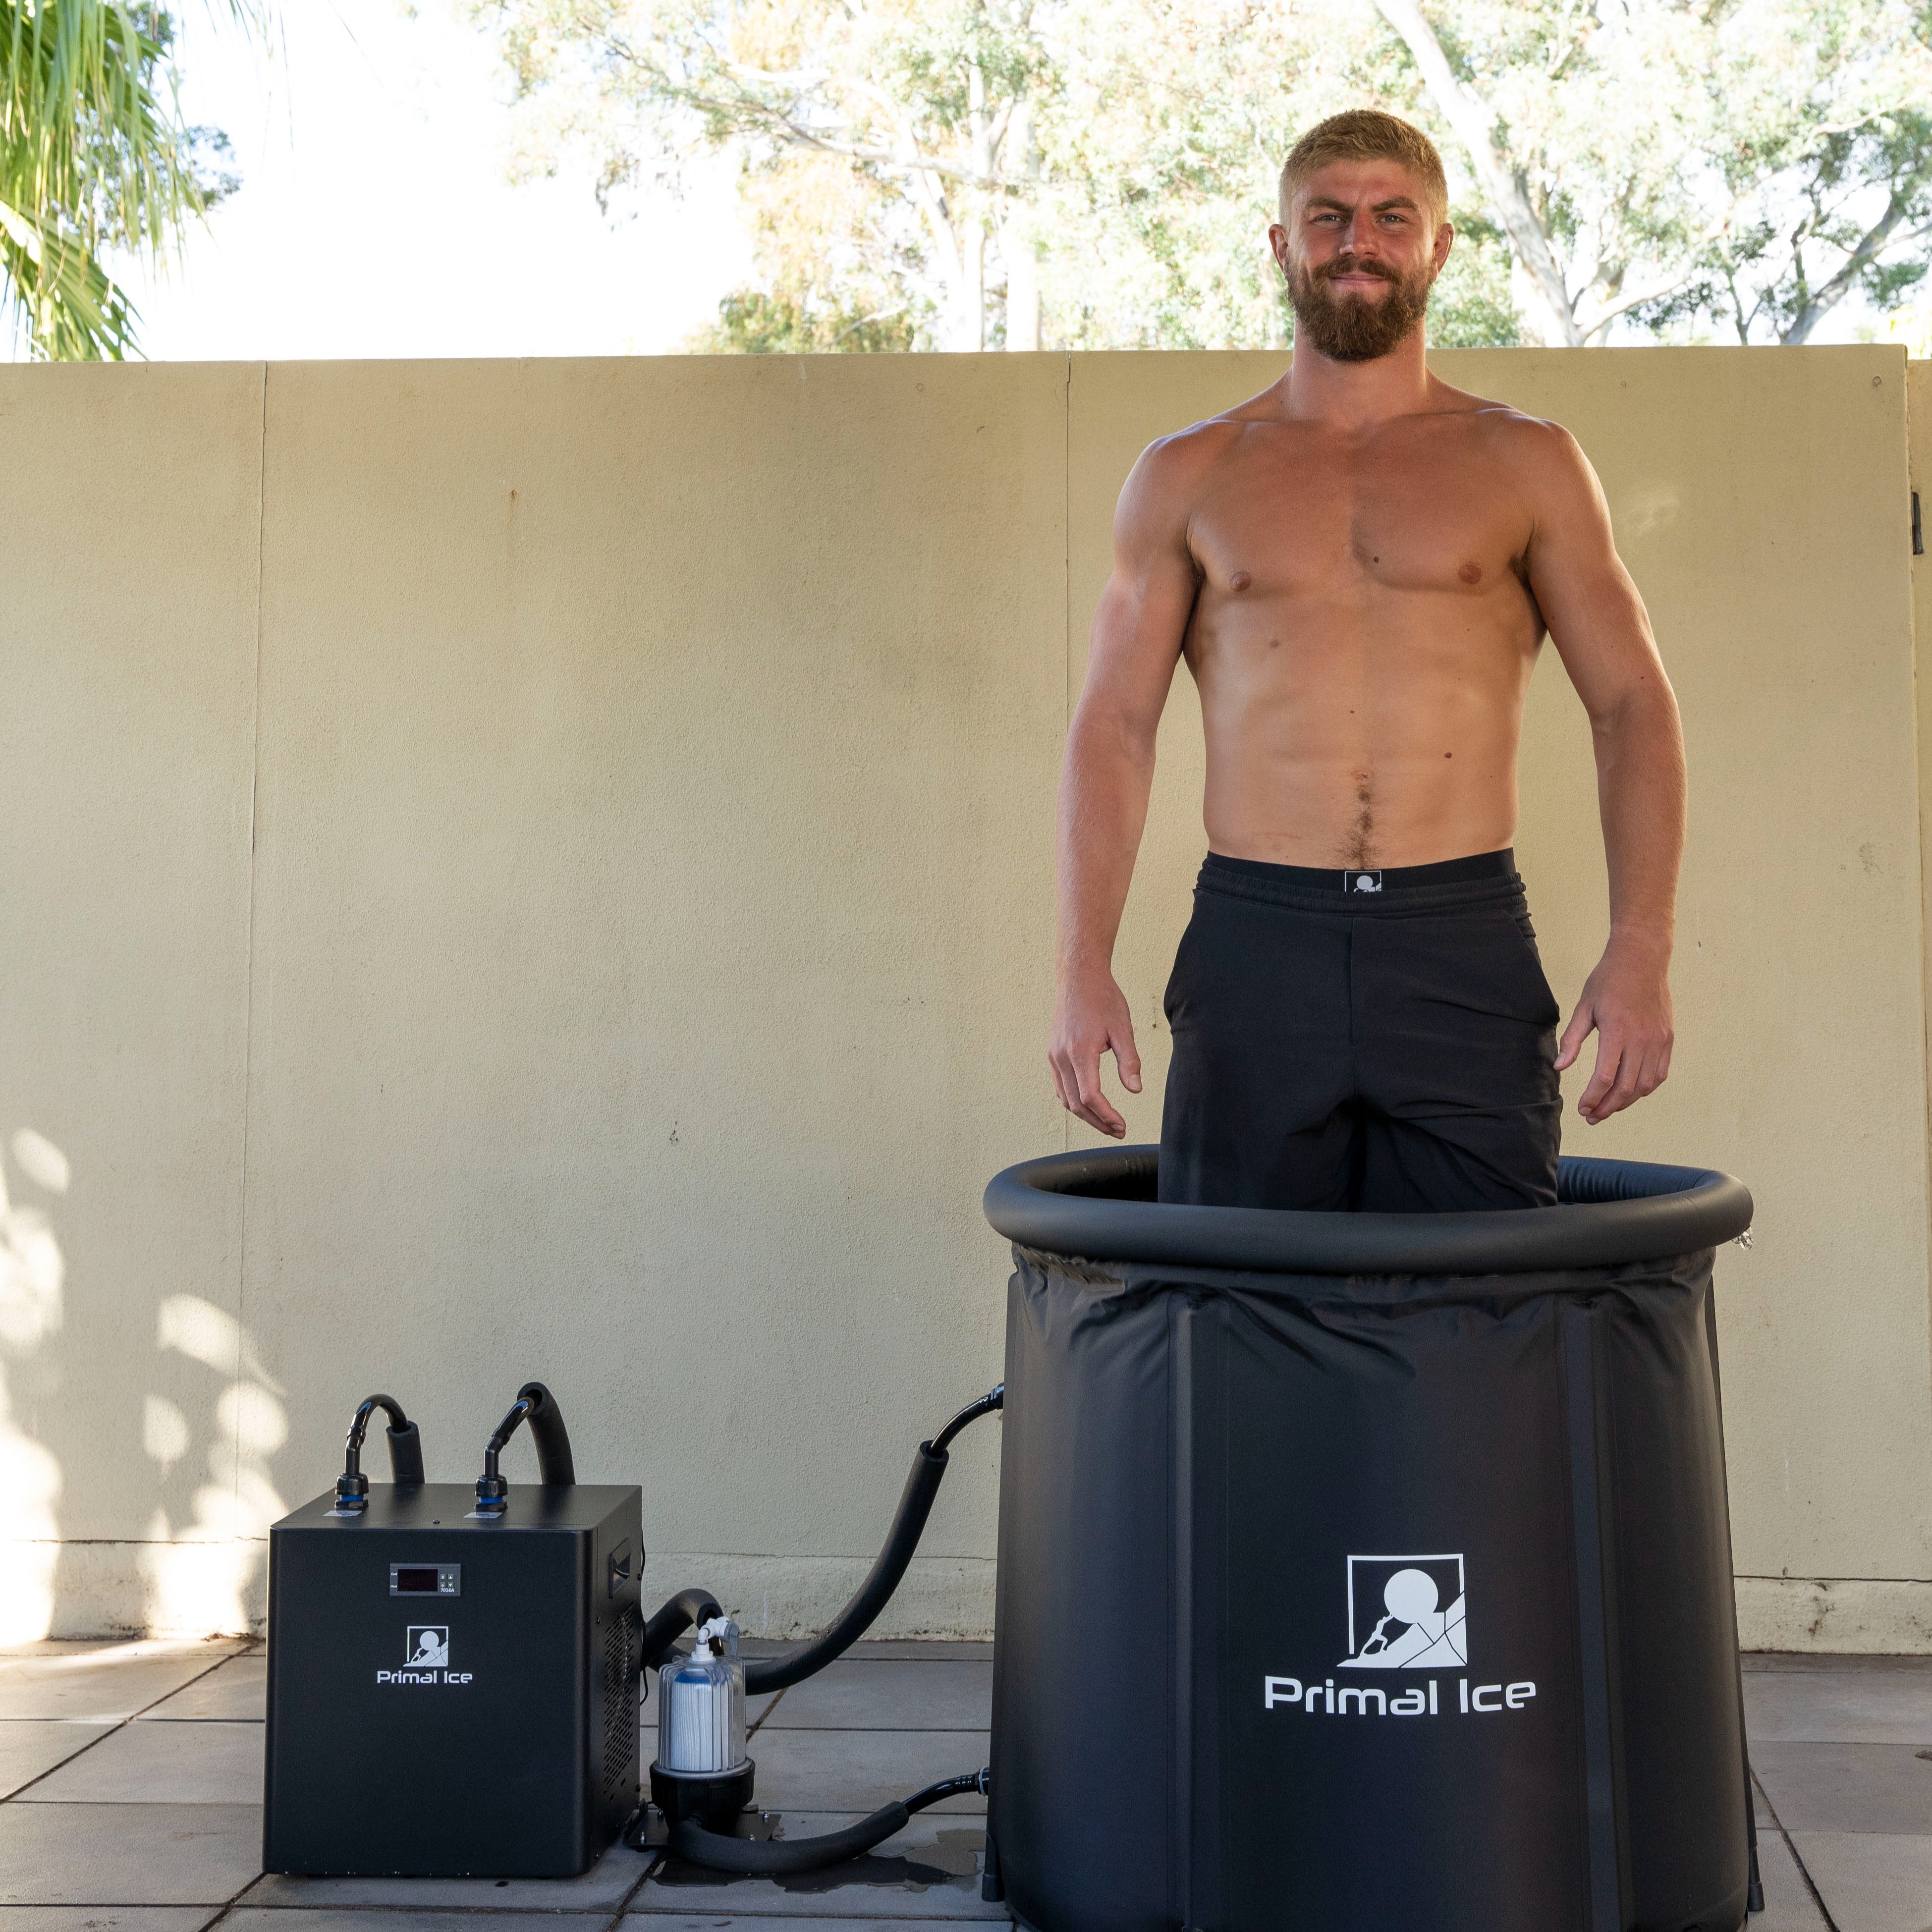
969 312
1022 288
1016 246
1540 287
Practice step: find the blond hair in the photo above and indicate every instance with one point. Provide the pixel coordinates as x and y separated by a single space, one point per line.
1367 134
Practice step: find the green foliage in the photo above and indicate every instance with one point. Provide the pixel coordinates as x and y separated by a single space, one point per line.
94 155
1471 306
751 323
1747 165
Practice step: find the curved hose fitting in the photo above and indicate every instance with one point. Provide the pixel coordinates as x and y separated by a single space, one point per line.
776 1855
686 1608
555 1464
405 1462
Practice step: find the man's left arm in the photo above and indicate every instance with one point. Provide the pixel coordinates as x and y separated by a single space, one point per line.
1597 623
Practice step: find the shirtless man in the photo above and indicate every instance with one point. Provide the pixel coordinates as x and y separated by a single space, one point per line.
1359 566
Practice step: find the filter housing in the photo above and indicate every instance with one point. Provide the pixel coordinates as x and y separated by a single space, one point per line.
448 1696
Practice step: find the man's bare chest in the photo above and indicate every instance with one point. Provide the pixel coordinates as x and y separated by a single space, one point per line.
1426 523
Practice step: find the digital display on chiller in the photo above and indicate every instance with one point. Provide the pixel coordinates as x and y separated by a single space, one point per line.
425 1579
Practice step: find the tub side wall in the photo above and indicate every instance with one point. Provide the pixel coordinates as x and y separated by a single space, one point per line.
545 868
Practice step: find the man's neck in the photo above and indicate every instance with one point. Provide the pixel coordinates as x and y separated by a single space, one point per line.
1357 396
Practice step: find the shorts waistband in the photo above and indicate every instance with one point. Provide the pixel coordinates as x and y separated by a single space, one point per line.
1478 879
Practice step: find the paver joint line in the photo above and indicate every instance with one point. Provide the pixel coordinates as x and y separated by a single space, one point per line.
1810 1885
650 1865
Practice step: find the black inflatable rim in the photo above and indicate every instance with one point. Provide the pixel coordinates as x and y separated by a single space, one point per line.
1096 1204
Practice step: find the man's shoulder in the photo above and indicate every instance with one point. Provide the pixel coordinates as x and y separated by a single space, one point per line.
1514 434
1198 447
1173 470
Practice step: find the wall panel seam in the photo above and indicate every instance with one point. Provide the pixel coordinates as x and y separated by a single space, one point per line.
248 961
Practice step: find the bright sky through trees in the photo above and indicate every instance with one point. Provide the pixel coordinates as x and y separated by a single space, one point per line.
377 214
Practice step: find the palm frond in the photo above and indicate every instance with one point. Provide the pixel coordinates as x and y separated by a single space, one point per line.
94 153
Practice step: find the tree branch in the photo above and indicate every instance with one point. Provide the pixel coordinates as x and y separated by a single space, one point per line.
787 127
1469 115
1871 244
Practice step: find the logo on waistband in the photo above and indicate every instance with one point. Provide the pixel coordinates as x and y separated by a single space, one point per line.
1361 882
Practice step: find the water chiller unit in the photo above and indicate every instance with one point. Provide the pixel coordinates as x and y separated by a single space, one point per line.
453 1688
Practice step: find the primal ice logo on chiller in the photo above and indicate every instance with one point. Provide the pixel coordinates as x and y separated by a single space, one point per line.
425 1658
1404 1613
427 1647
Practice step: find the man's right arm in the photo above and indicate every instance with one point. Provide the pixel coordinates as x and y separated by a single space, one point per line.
1139 630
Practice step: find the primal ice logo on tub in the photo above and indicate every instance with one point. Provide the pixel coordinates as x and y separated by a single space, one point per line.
1404 1613
425 1658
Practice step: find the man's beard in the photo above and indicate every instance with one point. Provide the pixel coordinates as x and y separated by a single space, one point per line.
1352 327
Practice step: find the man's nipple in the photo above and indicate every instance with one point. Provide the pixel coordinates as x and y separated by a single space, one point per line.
1470 573
1240 580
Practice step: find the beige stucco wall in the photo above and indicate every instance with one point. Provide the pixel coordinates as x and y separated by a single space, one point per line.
545 868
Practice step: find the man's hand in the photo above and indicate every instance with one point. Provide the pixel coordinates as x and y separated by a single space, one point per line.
1626 1003
1092 1017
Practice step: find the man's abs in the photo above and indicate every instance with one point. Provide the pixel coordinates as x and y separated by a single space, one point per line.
1348 750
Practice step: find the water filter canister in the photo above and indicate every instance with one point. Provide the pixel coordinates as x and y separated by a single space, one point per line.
701 1705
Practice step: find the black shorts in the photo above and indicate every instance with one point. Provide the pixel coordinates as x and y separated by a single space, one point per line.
1390 1049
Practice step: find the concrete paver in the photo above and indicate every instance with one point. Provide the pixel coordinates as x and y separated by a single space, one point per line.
1835 1787
602 1888
1873 1881
890 1694
336 1918
931 1870
859 1771
29 1748
1846 1707
103 1918
161 1764
100 1683
236 1692
126 1854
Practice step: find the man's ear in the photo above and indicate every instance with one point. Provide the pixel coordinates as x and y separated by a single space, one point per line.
1445 239
1278 247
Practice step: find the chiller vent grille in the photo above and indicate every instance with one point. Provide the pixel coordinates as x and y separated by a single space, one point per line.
620 1712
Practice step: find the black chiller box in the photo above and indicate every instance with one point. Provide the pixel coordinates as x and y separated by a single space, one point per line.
448 1696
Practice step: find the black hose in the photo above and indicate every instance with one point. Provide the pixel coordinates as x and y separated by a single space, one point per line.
405 1462
995 1398
691 1840
921 1485
555 1463
853 1621
776 1673
536 1404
